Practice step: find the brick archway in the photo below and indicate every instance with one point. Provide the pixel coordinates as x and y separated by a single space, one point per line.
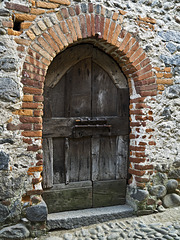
89 23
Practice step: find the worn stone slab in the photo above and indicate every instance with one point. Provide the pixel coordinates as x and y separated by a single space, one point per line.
18 231
75 219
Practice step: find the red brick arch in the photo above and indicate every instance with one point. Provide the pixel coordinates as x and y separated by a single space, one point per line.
89 23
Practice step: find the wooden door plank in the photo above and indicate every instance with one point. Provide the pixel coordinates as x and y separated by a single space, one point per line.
58 161
107 158
54 100
104 93
95 147
67 160
79 159
121 157
78 90
123 102
48 163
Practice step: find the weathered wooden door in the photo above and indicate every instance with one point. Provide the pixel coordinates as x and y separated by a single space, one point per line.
85 131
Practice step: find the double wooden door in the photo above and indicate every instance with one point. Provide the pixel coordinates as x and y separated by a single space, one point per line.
85 131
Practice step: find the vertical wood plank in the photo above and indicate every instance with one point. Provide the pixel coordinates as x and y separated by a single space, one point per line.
78 90
79 159
58 160
107 158
121 157
104 93
54 100
48 163
123 102
95 146
67 162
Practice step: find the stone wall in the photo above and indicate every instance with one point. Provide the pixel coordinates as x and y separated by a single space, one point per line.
144 38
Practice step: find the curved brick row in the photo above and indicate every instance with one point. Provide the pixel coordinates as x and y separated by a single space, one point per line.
87 22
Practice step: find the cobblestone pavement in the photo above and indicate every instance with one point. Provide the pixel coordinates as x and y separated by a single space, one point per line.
165 225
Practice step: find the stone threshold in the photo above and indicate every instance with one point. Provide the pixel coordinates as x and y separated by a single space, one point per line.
85 217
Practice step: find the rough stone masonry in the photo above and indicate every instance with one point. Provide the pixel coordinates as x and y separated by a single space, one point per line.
143 36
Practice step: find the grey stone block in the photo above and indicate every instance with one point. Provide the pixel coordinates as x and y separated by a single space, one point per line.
2 31
171 47
84 7
37 213
140 195
159 191
7 140
167 36
15 212
176 164
4 212
4 160
8 64
4 12
173 92
174 173
2 48
171 200
171 185
17 231
166 113
171 60
9 90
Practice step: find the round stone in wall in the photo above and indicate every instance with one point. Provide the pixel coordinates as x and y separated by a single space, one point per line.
171 200
171 185
140 195
159 191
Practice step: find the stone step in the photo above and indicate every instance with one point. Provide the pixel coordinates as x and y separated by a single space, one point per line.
85 217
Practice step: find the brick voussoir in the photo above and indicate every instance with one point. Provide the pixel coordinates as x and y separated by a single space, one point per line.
106 28
125 41
46 46
97 26
76 24
42 52
88 24
58 36
35 62
83 26
111 31
116 34
51 42
72 29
